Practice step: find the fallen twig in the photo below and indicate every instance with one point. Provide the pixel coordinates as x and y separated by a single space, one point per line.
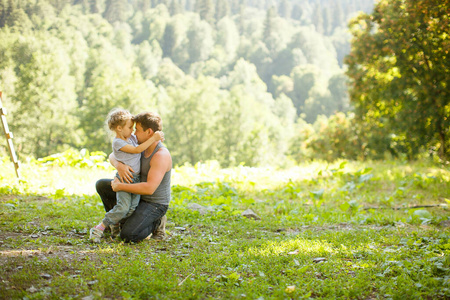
406 207
185 278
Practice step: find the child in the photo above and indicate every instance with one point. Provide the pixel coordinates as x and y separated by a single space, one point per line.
126 150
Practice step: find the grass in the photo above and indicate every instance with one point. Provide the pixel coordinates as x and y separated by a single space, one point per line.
347 230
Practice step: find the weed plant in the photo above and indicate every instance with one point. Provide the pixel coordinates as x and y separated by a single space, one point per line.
350 230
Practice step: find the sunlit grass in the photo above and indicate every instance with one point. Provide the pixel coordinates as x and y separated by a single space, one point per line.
292 247
327 230
44 180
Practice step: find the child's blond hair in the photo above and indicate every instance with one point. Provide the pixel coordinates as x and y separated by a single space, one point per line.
118 117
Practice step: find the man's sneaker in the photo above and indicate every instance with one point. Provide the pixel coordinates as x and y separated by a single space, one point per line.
115 230
160 232
95 235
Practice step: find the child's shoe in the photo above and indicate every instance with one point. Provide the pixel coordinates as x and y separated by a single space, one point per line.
95 235
115 230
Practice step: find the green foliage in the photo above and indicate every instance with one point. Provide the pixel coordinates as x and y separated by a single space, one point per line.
227 37
78 159
222 9
328 138
235 64
399 73
116 11
200 41
44 97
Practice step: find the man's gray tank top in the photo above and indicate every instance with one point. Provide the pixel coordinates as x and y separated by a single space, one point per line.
162 193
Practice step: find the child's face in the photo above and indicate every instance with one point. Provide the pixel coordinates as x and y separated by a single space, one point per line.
128 129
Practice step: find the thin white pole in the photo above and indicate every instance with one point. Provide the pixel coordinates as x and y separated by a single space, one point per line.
9 137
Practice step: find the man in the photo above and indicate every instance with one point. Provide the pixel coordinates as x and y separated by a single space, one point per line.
154 188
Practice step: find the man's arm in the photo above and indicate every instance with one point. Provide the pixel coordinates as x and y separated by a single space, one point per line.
125 171
159 165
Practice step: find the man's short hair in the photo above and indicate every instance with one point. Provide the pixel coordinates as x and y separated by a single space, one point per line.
149 120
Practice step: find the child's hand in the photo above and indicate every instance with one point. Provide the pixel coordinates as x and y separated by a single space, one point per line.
114 184
159 135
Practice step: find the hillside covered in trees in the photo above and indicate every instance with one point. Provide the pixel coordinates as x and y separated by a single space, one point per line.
235 81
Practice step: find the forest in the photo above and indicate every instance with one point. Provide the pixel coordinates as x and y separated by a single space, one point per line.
240 82
309 141
234 81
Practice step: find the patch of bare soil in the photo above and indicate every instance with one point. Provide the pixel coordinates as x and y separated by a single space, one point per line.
68 253
349 227
5 198
30 198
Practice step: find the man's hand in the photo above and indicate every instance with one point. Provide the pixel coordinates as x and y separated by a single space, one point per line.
115 184
125 173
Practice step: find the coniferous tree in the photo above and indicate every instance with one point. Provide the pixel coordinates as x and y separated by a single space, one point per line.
297 12
268 4
59 4
317 18
222 9
338 16
169 40
261 5
284 9
327 21
175 8
269 24
182 4
188 5
84 4
94 6
4 11
205 8
269 37
116 11
143 5
10 8
165 2
241 19
19 19
234 6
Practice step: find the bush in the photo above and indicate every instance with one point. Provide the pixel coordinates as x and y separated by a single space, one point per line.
328 138
75 158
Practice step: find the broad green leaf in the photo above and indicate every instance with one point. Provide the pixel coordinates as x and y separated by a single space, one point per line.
422 213
344 206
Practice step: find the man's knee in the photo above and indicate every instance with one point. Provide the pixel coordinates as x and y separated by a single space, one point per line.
127 235
103 185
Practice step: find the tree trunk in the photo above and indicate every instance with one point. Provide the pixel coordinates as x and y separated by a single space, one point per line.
442 149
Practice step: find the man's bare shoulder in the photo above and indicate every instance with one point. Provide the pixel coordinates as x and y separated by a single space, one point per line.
162 152
162 156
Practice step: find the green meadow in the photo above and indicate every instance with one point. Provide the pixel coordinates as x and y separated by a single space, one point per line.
349 230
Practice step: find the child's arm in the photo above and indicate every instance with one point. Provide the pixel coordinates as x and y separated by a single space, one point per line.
158 135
